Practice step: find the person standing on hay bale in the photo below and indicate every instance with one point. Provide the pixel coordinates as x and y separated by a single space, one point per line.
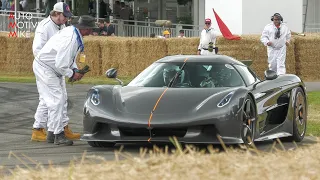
207 40
276 36
45 30
55 61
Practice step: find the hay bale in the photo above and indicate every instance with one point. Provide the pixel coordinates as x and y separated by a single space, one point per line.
4 34
19 57
115 54
145 51
3 52
184 46
131 55
307 52
92 50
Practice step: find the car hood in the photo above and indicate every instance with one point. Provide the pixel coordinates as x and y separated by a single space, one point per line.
142 100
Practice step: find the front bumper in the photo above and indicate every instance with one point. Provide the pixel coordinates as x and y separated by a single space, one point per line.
103 130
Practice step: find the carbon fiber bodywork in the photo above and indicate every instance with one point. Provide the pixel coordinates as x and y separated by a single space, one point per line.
190 114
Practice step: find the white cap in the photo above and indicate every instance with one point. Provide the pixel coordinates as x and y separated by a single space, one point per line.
63 8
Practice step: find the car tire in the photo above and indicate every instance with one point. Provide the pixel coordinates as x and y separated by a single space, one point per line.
248 127
300 116
101 144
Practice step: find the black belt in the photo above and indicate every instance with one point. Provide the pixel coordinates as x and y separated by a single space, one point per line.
208 49
216 49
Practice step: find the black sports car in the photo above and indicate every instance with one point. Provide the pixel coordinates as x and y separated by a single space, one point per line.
197 99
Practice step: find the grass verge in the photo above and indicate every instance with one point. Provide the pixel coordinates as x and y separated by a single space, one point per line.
85 80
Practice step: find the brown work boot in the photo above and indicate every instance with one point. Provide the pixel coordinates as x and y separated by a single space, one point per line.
70 135
38 134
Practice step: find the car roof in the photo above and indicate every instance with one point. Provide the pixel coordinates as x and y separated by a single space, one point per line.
198 58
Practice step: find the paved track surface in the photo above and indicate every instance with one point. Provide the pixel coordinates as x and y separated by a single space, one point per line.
18 102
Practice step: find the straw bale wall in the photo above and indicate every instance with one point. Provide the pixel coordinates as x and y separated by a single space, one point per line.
3 53
132 55
19 56
92 51
307 52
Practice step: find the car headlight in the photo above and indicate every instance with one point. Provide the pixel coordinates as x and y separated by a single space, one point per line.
225 100
95 97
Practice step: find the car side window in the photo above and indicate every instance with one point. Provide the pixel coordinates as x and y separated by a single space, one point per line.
247 75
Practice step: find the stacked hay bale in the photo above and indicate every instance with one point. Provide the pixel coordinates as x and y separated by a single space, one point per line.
145 51
92 50
19 56
3 53
131 55
307 52
184 46
4 34
115 54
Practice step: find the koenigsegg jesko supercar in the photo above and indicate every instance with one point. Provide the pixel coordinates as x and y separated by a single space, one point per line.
197 99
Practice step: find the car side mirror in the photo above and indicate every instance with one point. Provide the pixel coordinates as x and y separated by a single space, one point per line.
111 73
270 75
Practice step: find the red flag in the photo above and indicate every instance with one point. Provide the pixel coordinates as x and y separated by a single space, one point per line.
224 29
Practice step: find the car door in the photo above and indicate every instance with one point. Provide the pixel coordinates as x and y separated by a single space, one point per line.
266 94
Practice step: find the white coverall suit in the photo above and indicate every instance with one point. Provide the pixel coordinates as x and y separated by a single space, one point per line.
206 37
55 61
278 49
45 30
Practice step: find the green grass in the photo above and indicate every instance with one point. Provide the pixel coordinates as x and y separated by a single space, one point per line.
314 98
84 80
313 128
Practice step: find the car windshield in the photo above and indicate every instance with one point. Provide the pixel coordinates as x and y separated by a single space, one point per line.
193 75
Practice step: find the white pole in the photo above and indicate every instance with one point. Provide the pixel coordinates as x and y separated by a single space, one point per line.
73 5
15 15
38 6
97 10
111 6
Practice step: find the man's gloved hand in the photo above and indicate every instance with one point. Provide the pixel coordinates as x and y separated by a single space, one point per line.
78 74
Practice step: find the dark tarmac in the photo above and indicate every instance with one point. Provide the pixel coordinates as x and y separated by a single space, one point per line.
18 102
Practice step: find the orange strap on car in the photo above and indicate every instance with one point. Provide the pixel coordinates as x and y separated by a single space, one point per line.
155 107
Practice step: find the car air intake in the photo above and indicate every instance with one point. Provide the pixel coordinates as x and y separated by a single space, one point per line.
156 132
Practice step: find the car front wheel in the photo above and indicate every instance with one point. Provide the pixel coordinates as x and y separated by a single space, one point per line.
248 121
300 116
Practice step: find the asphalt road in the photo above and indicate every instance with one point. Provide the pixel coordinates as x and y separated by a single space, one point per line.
18 102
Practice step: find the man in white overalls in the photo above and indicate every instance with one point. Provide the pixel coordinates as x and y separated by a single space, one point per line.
276 36
56 60
207 40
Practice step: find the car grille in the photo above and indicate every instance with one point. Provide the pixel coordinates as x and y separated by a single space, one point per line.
155 132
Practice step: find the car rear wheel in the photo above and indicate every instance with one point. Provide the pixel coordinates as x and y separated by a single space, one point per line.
101 144
248 121
300 116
